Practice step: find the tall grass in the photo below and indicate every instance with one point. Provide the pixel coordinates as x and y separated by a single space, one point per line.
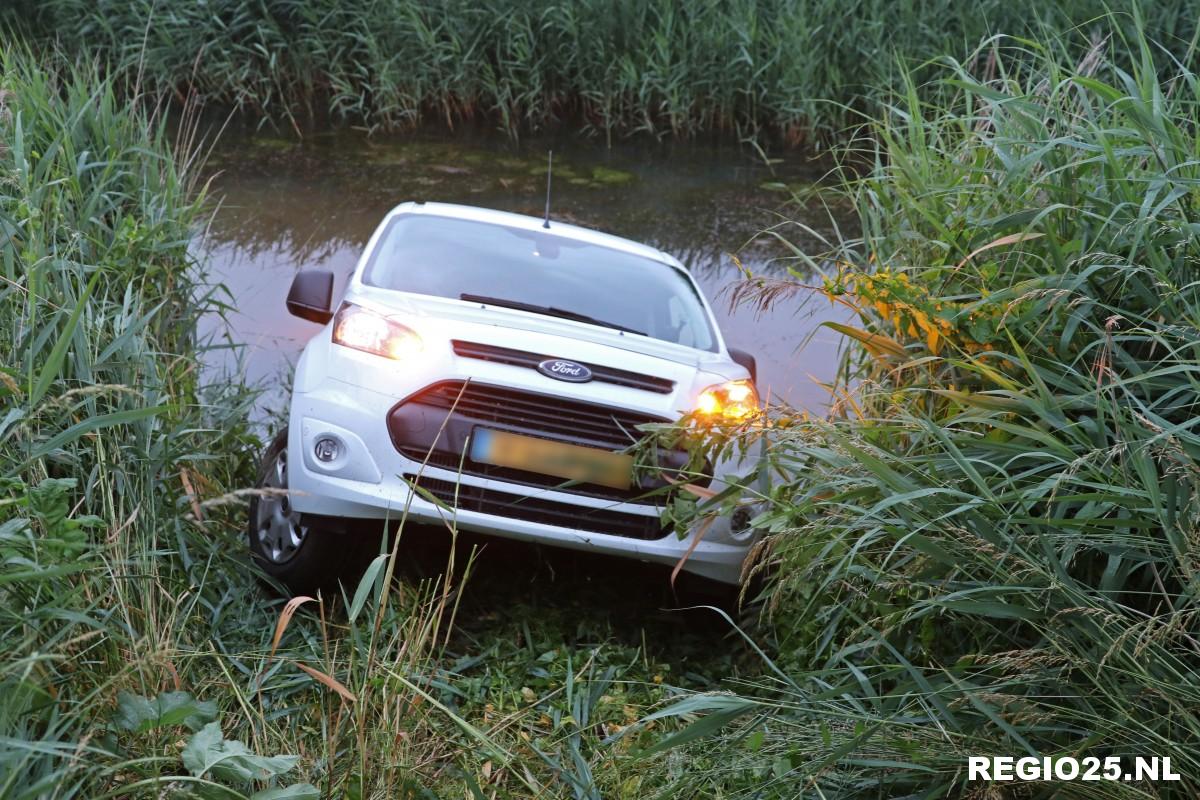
991 549
104 422
791 67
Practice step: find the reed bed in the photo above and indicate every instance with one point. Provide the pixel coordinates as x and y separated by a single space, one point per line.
798 70
990 548
103 417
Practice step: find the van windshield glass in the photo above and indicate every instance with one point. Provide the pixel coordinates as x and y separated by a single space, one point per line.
539 272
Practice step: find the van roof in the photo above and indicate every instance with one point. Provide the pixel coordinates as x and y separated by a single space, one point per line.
535 223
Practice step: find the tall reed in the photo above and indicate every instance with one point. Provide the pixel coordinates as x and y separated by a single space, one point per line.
615 67
104 420
990 549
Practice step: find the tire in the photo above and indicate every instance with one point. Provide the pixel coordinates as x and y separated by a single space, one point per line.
302 557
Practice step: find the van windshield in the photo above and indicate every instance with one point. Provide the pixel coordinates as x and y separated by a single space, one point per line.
540 272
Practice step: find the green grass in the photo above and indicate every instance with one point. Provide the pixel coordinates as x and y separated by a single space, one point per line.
990 548
792 68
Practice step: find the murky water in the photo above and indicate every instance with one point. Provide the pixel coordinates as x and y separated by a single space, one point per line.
288 206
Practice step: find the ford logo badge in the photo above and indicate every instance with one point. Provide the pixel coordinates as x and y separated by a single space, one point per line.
562 370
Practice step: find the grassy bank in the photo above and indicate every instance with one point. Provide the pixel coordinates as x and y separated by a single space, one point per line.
611 67
991 549
104 424
127 614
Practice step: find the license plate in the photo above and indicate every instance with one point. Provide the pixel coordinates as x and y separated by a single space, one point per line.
569 461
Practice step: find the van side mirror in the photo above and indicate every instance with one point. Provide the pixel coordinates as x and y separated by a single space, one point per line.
747 361
311 295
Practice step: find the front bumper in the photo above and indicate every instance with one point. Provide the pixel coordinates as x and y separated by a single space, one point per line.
367 480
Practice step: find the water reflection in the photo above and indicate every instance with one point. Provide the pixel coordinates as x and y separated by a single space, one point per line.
287 206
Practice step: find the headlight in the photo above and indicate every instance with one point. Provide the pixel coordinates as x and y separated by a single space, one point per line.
355 326
729 402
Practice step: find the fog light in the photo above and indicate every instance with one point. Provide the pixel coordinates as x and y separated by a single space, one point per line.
742 516
327 449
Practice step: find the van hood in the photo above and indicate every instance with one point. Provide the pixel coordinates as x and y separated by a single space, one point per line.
424 311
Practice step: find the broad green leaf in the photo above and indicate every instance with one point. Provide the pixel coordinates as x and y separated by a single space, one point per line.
210 753
96 423
138 714
54 361
722 710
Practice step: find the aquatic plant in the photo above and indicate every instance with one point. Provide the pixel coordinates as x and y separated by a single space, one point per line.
614 67
989 549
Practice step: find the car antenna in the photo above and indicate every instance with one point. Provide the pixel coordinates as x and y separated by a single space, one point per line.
549 173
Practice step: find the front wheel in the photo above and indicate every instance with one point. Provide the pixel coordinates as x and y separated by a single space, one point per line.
303 557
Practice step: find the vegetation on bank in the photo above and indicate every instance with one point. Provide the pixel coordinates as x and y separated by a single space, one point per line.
612 67
104 576
990 548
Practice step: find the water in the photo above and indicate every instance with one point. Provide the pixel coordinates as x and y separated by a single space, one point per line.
288 206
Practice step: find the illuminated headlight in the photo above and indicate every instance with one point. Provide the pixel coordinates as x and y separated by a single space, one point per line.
355 326
729 402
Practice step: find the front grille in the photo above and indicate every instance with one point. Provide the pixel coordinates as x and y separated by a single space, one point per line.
547 512
536 414
425 429
520 358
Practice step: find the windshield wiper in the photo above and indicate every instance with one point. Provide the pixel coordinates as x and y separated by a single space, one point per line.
550 311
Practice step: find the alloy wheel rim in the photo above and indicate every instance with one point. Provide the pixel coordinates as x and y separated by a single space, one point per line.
277 524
